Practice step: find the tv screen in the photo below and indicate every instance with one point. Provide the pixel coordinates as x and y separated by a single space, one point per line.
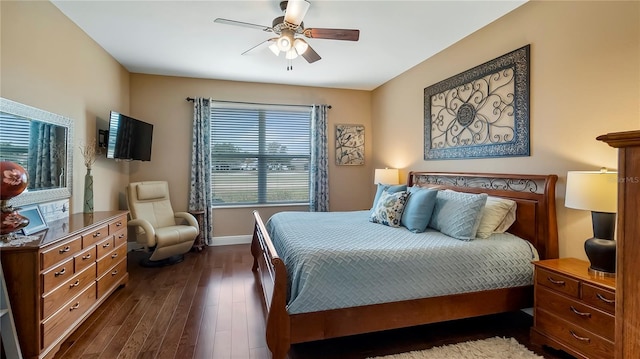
129 138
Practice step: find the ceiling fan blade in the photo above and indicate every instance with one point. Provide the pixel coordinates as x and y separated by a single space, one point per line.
243 24
295 12
311 55
333 34
260 45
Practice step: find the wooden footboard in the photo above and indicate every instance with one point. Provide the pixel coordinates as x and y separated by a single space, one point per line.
271 276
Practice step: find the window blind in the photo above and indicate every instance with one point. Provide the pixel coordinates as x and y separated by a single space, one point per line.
14 140
260 154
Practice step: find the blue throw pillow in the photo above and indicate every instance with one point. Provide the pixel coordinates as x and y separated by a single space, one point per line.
419 207
458 214
388 188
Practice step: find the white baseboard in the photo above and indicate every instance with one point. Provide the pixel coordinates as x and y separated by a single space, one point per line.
230 240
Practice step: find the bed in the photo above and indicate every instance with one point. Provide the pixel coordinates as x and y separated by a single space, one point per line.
288 322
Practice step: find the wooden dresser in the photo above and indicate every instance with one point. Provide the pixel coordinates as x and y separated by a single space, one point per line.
628 240
573 309
57 280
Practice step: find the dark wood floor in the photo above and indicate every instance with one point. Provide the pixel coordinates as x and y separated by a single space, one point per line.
208 307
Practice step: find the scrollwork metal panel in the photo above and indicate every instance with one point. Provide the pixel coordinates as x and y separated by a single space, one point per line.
482 112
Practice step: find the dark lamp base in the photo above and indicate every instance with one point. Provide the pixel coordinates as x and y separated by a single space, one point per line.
601 274
602 255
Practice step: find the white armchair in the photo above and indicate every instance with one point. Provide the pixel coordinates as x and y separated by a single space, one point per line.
156 226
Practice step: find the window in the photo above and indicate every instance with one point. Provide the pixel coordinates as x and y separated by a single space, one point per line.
14 139
260 154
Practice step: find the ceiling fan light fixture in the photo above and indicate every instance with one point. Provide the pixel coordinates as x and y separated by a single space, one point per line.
291 54
300 46
295 11
285 41
274 48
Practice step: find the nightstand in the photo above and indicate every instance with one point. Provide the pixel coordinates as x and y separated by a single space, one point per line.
573 310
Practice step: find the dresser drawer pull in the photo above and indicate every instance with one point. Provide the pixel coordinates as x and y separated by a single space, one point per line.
121 236
106 245
86 257
119 224
114 272
64 250
75 306
57 274
579 337
77 283
556 282
114 255
602 298
582 314
97 234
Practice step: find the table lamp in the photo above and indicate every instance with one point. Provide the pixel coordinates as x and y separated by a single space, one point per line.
596 191
386 176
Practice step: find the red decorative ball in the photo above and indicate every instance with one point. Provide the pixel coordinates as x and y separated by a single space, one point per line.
13 179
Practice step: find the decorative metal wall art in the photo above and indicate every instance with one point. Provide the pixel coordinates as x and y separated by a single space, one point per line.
480 113
349 145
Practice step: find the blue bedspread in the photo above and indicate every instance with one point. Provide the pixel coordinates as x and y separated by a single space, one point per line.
340 259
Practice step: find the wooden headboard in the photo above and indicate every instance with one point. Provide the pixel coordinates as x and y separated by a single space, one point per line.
535 195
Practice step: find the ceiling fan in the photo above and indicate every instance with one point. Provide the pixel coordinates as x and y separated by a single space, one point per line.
290 28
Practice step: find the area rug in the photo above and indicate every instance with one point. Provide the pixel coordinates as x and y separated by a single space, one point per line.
492 348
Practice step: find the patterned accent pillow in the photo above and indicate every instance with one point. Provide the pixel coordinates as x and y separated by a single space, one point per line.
457 214
388 210
386 188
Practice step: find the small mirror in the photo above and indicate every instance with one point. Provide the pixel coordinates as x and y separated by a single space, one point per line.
39 141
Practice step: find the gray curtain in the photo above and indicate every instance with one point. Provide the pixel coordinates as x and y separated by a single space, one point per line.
43 164
200 190
319 176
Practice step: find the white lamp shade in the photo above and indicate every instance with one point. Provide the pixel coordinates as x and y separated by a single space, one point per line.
296 10
595 191
386 176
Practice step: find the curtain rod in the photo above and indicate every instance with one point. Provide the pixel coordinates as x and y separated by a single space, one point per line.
191 99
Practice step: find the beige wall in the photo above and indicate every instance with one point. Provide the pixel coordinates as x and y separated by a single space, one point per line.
161 100
585 81
49 63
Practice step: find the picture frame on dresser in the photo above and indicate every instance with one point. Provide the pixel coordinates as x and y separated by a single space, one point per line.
37 223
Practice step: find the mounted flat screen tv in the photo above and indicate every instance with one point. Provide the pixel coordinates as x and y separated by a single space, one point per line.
129 138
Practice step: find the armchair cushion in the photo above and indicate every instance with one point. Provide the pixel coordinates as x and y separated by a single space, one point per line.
149 191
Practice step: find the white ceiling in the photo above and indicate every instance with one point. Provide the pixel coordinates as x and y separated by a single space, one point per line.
179 38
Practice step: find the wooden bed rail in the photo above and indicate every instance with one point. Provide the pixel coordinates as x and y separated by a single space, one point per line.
272 279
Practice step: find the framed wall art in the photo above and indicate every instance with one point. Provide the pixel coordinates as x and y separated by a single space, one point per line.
480 113
349 145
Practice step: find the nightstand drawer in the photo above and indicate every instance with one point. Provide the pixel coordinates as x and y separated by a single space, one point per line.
599 298
583 341
576 312
558 282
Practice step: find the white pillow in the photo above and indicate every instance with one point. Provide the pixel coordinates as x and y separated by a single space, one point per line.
497 216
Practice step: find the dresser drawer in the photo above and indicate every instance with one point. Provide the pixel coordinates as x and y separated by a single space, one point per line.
118 224
57 275
120 236
576 312
59 253
590 345
111 277
558 282
599 298
105 246
111 259
71 311
71 288
84 259
94 236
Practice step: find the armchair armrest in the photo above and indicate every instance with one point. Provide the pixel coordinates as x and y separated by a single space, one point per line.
149 232
188 217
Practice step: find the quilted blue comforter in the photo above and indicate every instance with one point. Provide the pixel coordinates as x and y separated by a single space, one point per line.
340 259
